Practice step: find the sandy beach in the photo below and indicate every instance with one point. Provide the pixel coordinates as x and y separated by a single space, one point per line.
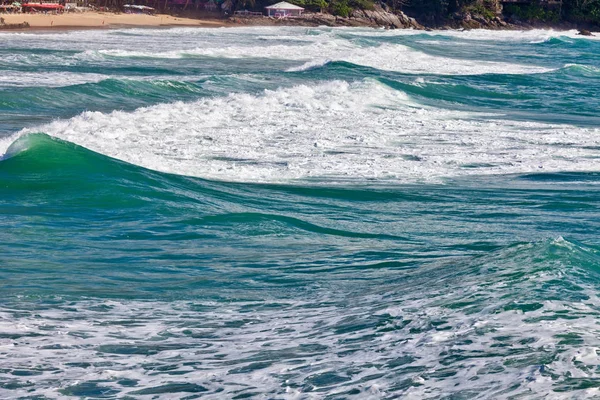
103 20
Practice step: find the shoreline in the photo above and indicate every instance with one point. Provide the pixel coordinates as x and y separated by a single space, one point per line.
91 20
99 20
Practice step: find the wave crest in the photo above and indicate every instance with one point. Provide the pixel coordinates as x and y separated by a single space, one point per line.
333 131
387 56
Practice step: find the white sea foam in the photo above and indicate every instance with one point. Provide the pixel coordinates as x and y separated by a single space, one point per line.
520 36
534 35
470 334
237 34
389 57
306 47
335 130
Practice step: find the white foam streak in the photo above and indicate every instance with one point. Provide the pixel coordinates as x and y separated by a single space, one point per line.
47 79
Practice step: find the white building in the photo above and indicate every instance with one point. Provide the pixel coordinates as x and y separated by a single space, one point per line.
284 9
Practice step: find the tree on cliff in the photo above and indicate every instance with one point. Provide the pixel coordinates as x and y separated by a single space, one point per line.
585 11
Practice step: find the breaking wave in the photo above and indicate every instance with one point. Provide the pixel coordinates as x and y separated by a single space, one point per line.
388 57
372 132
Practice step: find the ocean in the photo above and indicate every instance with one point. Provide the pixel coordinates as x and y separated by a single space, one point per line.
299 213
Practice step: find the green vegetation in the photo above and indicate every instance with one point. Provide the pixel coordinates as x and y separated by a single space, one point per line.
486 10
310 5
532 13
362 4
340 7
582 11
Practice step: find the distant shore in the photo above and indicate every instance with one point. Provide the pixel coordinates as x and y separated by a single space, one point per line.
374 19
91 19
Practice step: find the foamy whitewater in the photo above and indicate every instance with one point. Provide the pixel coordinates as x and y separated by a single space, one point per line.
299 213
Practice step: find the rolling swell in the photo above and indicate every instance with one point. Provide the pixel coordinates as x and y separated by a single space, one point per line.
43 177
182 261
538 94
107 93
518 97
566 41
388 335
67 98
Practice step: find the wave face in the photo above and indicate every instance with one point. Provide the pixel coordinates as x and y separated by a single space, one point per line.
299 213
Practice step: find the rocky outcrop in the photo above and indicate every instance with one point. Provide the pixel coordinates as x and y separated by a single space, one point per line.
376 18
381 17
467 20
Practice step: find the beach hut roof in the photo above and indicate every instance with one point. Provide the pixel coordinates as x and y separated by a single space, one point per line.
284 5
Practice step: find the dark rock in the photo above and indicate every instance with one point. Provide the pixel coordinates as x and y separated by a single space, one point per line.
585 32
480 19
23 25
380 17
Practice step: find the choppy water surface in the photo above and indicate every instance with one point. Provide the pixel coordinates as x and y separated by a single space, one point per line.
299 213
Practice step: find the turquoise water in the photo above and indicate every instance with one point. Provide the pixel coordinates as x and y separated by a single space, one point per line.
280 213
